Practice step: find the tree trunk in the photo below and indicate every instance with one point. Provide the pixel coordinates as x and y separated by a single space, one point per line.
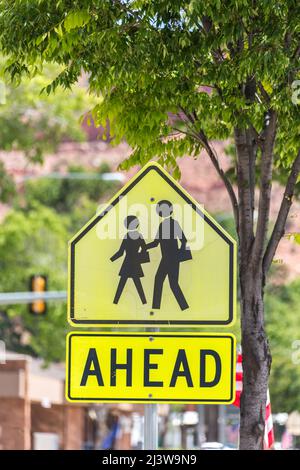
256 358
255 348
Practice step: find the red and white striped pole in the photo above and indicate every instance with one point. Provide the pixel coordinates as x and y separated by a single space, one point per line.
269 430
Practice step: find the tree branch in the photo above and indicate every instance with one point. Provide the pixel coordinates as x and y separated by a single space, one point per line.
297 52
264 93
265 187
201 137
256 136
211 153
278 230
180 131
208 27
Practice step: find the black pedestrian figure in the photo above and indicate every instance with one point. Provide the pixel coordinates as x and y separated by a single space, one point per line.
169 232
134 247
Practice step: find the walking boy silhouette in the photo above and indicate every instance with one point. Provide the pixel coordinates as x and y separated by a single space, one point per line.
169 232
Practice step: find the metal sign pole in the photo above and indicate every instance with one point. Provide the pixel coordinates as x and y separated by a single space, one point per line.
150 427
150 420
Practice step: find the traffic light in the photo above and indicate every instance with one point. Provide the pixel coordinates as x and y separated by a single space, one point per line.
38 283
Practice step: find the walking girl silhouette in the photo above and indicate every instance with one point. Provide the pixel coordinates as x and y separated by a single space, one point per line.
134 247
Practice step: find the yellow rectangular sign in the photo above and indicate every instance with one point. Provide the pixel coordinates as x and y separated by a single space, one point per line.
150 367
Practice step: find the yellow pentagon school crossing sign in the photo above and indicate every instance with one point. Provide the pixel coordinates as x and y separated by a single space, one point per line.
153 257
151 367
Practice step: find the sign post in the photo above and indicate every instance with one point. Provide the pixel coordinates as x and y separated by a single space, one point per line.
151 420
150 427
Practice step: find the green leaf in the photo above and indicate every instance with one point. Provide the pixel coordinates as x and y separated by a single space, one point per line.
76 19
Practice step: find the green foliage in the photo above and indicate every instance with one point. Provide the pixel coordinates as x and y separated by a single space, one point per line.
35 122
28 242
283 327
7 185
148 58
64 194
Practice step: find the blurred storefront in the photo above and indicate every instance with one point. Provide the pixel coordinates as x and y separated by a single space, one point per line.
33 412
35 415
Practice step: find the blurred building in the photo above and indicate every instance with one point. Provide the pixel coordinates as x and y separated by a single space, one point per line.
33 411
35 415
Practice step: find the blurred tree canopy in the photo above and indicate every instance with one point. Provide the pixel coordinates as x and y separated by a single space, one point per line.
7 185
63 194
35 122
146 59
